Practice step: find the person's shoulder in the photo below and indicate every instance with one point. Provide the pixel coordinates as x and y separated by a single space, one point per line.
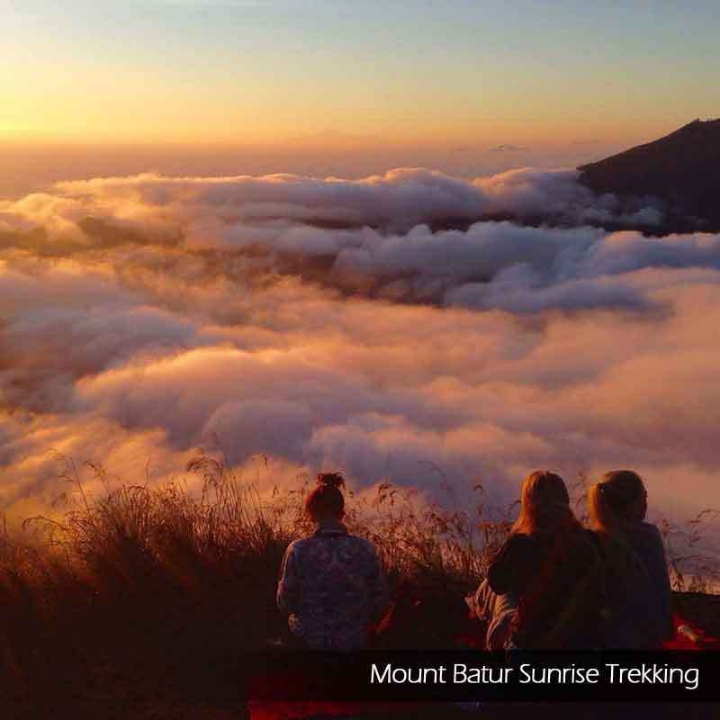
299 545
363 544
591 542
648 535
650 529
602 541
520 544
514 562
645 533
521 540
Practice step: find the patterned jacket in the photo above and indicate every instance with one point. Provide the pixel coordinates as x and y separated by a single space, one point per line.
332 589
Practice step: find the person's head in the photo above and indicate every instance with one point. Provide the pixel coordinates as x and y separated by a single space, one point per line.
326 501
544 503
618 499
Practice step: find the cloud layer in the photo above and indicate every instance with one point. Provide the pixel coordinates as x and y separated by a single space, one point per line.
373 326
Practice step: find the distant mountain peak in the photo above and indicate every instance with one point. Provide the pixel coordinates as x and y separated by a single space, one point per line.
682 168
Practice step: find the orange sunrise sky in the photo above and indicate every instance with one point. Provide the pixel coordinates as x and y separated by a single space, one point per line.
342 87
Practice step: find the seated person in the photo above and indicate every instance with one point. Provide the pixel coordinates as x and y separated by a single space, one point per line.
331 587
639 600
551 567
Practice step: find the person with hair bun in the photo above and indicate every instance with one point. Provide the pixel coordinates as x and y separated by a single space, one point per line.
639 599
549 571
332 588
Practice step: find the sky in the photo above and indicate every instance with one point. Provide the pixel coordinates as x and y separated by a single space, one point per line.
317 74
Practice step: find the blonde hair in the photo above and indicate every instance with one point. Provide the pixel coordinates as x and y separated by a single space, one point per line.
544 503
612 508
612 502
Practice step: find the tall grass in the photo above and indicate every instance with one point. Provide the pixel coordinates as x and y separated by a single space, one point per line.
144 574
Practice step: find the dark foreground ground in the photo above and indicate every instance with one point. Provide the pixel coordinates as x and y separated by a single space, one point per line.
161 688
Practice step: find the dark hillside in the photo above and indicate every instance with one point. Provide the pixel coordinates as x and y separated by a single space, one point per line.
682 168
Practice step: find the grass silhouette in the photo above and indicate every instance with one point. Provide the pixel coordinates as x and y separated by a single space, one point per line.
125 586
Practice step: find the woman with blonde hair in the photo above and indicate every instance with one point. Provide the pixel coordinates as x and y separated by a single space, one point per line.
639 600
550 568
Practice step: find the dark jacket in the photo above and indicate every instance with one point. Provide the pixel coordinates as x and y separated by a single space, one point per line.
558 580
639 599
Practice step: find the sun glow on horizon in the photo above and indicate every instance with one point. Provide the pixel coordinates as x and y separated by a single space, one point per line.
316 73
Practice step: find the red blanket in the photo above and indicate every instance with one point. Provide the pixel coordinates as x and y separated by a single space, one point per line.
690 637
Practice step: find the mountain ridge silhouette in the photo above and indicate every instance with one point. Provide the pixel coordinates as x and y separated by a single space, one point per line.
682 169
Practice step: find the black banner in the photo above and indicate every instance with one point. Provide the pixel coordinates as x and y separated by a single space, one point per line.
476 676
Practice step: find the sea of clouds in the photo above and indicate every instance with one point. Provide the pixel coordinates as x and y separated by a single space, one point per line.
385 327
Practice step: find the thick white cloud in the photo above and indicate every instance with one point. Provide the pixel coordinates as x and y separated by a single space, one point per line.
332 324
204 209
380 236
557 195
